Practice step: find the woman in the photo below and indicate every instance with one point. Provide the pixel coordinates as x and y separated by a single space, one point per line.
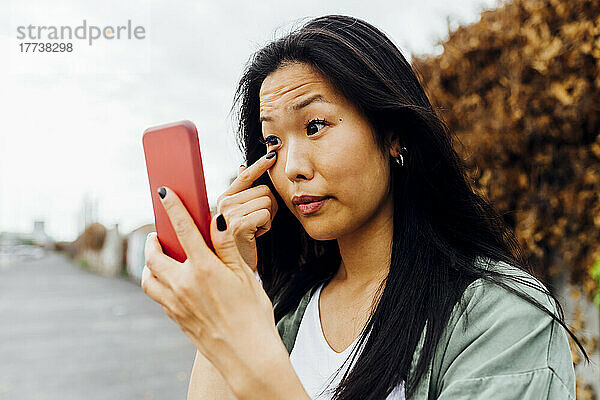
384 274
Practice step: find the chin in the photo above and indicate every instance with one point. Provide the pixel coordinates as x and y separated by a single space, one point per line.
319 230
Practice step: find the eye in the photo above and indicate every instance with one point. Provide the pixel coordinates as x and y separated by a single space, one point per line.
312 126
270 140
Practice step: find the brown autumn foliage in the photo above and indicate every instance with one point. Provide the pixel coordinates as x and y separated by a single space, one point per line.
521 90
92 238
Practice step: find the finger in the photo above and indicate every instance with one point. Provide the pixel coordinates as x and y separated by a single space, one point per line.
254 216
153 287
187 232
157 261
231 201
173 316
168 312
259 220
224 243
263 202
252 173
241 168
162 295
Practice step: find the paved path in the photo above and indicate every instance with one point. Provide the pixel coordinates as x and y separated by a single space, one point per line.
66 333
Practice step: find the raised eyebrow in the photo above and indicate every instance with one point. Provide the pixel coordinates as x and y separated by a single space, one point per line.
311 99
298 106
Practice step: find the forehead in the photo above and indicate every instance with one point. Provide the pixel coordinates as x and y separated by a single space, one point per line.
290 82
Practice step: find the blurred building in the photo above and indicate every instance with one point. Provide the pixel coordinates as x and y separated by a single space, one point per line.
101 249
39 236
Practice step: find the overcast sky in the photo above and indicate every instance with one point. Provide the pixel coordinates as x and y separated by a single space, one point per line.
72 123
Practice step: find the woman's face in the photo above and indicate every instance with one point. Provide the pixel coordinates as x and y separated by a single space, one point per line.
326 147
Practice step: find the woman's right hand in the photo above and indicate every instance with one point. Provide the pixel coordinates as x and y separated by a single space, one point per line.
248 210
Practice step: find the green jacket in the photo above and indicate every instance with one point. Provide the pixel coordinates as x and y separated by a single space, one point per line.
508 350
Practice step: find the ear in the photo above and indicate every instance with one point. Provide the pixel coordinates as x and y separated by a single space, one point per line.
394 144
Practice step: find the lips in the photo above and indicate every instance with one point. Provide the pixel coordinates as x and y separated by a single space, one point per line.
304 199
307 204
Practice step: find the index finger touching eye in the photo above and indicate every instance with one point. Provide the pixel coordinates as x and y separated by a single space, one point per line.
247 176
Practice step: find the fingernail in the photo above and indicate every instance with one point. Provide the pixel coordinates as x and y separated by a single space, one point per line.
242 165
221 224
271 154
162 192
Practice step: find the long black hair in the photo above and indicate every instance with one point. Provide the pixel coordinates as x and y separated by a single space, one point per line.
441 226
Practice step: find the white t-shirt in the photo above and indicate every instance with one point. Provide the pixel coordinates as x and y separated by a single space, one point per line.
315 362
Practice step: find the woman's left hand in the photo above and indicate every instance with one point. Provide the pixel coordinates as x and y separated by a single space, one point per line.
215 299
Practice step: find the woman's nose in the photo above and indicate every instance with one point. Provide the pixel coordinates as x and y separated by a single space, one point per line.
298 164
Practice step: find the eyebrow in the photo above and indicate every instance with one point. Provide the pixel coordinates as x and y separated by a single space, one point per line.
300 105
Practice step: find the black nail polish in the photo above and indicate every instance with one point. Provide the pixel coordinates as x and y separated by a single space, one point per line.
162 192
271 154
221 224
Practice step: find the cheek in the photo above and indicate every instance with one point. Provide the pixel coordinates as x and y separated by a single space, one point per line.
359 176
356 177
362 190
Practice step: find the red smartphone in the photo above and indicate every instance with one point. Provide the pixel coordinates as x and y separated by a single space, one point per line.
173 159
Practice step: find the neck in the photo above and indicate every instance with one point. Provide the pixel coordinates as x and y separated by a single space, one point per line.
366 252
